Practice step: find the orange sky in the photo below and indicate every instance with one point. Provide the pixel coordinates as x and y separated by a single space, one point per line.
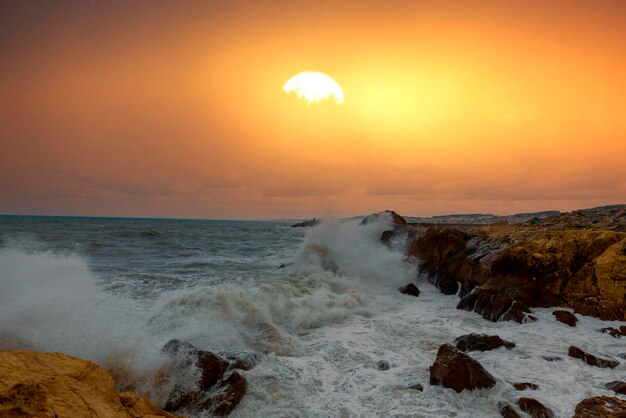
176 109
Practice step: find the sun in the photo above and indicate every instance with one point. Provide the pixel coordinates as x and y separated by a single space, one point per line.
314 87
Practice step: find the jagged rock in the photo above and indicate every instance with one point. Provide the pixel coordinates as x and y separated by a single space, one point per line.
215 390
456 370
495 306
534 408
590 359
56 385
525 385
481 342
383 365
396 219
507 411
615 332
410 289
565 317
617 387
609 218
601 407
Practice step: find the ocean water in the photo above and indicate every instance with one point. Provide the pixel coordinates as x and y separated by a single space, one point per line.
317 308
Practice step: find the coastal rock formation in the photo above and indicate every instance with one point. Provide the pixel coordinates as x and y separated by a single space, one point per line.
615 332
507 411
534 408
305 224
481 342
410 289
590 359
217 388
606 218
601 406
58 385
565 317
456 370
502 271
617 387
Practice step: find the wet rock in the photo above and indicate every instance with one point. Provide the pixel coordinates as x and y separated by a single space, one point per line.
525 385
216 389
565 317
383 365
507 411
590 359
615 332
622 355
534 408
495 305
601 407
617 387
456 370
551 358
410 289
481 342
305 224
418 387
396 219
56 385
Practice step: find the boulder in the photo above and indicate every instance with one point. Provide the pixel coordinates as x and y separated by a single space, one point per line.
507 411
481 342
217 389
590 359
410 289
456 370
617 387
601 407
57 385
534 408
615 332
565 317
525 385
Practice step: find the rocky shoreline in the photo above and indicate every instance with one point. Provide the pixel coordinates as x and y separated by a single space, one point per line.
499 271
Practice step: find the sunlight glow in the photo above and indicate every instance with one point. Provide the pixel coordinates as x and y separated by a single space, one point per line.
314 87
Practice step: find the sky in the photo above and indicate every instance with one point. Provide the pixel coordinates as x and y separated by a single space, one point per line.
176 109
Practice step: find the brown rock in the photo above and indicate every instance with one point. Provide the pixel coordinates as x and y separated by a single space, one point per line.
215 390
57 385
410 289
456 370
481 342
534 408
615 332
507 411
565 317
525 385
617 387
601 407
590 359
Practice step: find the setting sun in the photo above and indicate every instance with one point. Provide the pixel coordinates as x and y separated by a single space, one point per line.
314 87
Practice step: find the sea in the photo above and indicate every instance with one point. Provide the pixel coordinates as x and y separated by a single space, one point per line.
317 309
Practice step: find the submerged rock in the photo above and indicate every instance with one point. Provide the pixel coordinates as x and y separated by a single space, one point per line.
481 342
525 385
615 332
601 406
418 387
590 359
617 387
456 370
507 411
534 408
383 365
565 317
216 389
410 289
56 385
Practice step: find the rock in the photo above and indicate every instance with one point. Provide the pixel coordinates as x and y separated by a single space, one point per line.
215 390
304 224
456 370
396 220
551 358
617 387
525 385
383 365
615 332
410 289
601 407
54 384
507 411
622 355
418 387
591 359
609 218
534 408
481 342
565 317
501 272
